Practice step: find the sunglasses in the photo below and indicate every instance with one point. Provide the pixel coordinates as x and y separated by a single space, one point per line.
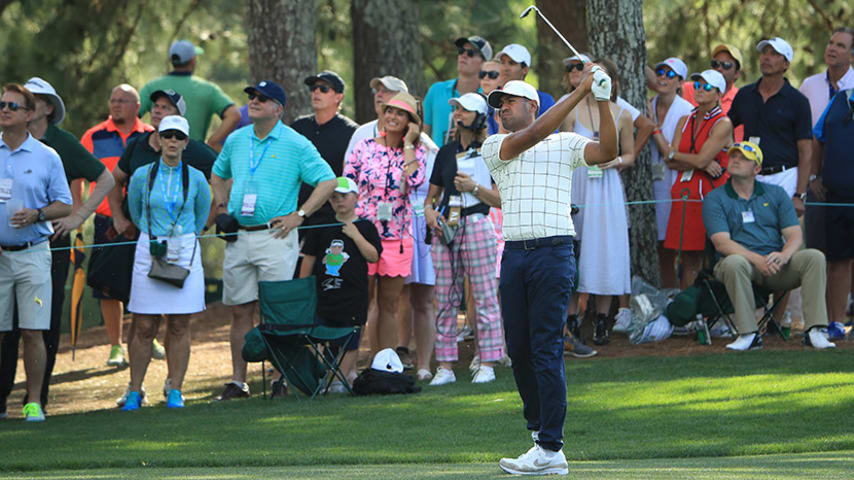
468 51
705 86
493 74
723 65
575 66
744 146
667 73
322 88
170 134
259 97
13 106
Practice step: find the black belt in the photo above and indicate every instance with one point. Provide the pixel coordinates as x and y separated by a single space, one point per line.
255 228
775 169
22 246
539 242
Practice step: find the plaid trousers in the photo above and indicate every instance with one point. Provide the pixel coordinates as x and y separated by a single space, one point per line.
472 252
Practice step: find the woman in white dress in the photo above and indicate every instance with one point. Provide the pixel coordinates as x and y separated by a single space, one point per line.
665 110
601 225
169 201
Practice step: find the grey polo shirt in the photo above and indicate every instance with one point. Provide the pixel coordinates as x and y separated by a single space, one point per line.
755 224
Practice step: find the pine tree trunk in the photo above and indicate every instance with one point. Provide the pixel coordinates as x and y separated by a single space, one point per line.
386 41
568 16
616 31
282 48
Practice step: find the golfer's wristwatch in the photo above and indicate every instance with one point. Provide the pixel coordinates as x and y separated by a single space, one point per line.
301 213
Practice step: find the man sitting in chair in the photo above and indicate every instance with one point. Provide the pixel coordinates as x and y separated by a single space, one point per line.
753 225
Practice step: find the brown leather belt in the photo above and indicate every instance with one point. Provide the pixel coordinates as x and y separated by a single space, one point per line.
255 228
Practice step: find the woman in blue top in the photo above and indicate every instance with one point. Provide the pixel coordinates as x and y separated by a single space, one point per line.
169 201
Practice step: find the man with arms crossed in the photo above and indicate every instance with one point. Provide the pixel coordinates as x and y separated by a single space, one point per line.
533 170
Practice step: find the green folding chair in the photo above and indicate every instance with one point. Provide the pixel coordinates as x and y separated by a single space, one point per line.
301 349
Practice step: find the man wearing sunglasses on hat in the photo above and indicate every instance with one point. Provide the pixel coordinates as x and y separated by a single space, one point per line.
34 191
755 230
327 129
267 162
438 115
49 112
777 118
515 61
726 59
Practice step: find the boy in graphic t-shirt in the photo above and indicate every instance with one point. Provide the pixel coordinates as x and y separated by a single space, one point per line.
338 257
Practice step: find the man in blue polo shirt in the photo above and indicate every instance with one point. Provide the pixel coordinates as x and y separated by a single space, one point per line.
472 52
776 116
754 227
267 162
33 190
515 63
834 184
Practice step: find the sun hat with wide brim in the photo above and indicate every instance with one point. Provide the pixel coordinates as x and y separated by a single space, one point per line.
405 102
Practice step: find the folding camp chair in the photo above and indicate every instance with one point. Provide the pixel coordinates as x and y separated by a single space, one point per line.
716 305
301 349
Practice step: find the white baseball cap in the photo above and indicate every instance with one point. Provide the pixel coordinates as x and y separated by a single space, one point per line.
577 58
713 78
779 45
392 83
517 88
473 102
517 53
386 360
678 66
38 86
175 122
346 185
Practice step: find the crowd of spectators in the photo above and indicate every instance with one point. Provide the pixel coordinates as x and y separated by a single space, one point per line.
406 216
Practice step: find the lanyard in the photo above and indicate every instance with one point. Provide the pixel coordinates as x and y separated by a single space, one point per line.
171 198
253 162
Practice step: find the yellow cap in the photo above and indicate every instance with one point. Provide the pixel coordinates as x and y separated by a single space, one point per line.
733 52
750 151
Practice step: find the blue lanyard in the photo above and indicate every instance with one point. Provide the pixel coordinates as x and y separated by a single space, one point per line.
253 163
169 197
832 91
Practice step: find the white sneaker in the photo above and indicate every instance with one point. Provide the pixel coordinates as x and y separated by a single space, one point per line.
536 461
423 375
750 341
443 376
337 387
484 374
475 364
817 338
120 402
623 320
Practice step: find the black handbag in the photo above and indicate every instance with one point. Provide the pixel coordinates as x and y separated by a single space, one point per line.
161 269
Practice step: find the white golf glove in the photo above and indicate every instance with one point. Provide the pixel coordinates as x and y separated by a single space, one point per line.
601 87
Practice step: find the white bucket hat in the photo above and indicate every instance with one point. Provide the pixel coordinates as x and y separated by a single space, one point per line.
39 86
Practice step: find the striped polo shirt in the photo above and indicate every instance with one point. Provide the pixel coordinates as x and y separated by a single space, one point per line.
284 160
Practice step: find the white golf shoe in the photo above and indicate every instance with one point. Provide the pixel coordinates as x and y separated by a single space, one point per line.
536 461
443 377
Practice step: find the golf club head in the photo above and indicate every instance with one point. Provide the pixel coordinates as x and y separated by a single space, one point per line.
527 11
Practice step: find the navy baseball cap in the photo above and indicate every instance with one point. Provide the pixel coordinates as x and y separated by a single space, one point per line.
333 78
268 89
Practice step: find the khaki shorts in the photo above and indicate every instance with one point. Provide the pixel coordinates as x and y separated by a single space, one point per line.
25 277
255 257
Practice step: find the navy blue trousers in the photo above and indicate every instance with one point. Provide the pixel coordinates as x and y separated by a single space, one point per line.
535 288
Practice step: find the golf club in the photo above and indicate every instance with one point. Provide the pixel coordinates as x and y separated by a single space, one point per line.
565 41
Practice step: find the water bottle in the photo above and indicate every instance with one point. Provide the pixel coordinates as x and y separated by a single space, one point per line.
703 335
786 325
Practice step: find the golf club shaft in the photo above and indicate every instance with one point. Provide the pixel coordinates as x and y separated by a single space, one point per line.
565 41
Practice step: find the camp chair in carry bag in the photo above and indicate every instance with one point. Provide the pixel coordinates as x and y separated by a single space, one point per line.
301 349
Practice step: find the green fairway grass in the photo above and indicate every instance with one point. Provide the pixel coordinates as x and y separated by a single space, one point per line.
628 410
798 466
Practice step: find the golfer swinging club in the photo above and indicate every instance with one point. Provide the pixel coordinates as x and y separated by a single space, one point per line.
533 169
